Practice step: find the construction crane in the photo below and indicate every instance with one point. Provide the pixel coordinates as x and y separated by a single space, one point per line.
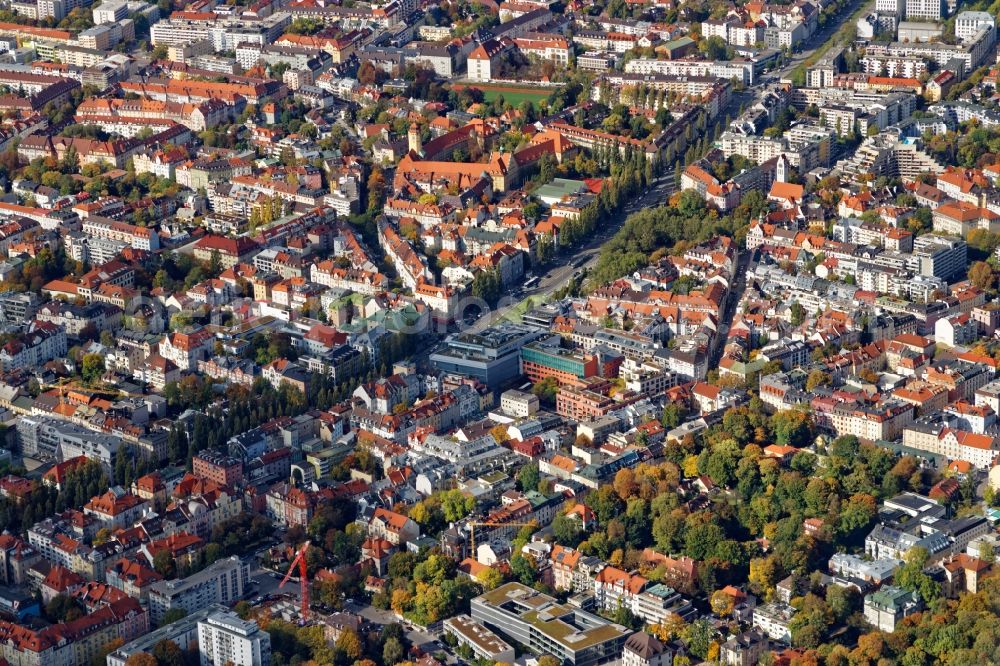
473 524
300 560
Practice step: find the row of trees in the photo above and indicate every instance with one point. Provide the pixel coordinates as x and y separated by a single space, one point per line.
80 484
649 232
630 175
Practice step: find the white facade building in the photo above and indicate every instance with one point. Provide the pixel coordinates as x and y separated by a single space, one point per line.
223 638
967 24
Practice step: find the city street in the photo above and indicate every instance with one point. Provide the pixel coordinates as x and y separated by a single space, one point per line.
557 276
729 311
818 40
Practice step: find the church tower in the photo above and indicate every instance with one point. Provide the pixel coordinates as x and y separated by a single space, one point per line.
413 138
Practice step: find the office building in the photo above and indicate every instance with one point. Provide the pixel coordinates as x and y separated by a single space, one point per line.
492 356
547 358
544 626
483 642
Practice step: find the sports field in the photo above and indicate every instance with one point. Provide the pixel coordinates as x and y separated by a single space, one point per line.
511 94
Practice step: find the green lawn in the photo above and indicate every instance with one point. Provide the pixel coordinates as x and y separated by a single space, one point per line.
518 311
514 98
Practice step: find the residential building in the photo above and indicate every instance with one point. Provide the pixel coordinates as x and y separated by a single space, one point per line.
218 467
40 343
641 649
116 509
654 603
395 528
223 582
182 632
519 404
744 649
75 642
224 639
774 619
885 608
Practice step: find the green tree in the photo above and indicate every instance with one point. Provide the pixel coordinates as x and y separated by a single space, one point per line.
699 636
93 368
101 658
702 540
528 476
163 563
913 577
566 530
523 569
673 415
798 314
63 609
981 274
817 378
546 390
392 652
243 609
792 427
350 644
487 285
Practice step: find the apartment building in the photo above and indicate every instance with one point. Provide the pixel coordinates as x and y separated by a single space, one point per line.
141 238
185 349
980 450
395 528
874 423
774 619
75 642
223 582
885 608
116 509
742 71
182 632
218 467
654 603
40 343
744 649
52 438
226 640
